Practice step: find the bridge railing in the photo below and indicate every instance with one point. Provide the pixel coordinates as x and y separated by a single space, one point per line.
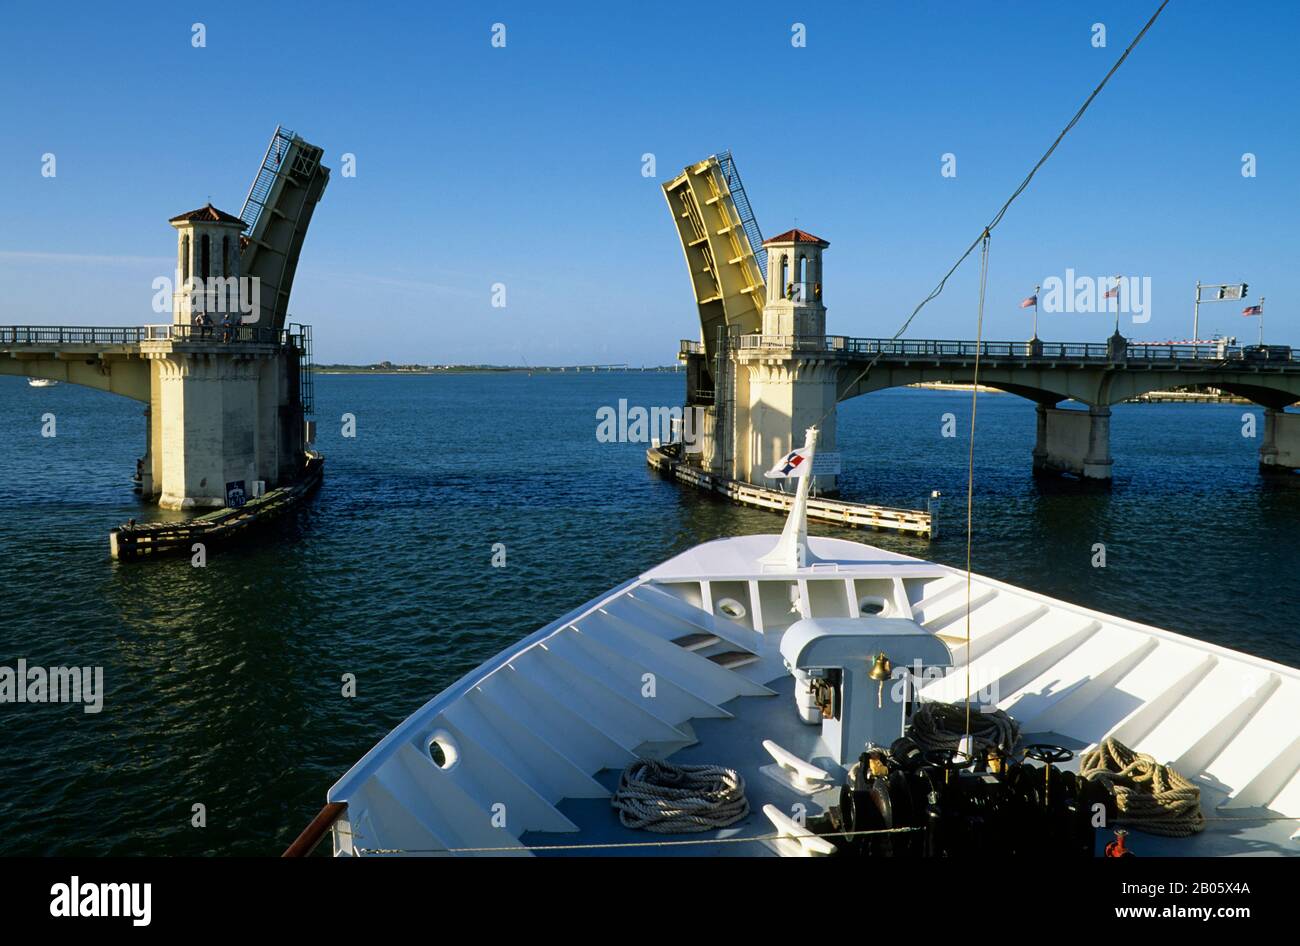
70 335
1211 352
225 334
102 336
1050 351
902 347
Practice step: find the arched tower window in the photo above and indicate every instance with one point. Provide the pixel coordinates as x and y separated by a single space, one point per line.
785 275
225 256
185 258
205 246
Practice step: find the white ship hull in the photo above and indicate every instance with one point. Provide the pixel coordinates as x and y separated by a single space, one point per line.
530 745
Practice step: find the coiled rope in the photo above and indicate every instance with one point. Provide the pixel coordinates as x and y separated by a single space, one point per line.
675 799
943 725
1151 797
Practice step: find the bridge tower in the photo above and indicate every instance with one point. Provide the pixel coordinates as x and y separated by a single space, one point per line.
788 383
223 395
207 250
756 401
794 293
226 404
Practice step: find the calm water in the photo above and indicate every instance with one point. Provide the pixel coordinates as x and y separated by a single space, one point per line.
223 684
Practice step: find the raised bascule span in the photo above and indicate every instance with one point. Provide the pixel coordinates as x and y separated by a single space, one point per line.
720 240
226 404
276 215
765 368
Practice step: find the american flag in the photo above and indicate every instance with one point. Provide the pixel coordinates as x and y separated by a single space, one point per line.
1253 310
1031 301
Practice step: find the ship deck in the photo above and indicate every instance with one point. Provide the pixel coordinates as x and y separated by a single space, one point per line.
521 755
600 833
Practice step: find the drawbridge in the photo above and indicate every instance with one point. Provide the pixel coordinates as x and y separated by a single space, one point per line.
226 403
722 244
723 248
276 215
764 368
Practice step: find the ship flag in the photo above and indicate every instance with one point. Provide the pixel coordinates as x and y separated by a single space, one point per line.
793 464
791 550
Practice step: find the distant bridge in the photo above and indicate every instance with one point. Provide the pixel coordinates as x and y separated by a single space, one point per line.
764 370
1096 374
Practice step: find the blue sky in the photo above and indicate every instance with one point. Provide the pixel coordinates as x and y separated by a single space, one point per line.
522 165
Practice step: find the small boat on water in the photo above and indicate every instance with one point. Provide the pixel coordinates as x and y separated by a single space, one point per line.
798 696
41 382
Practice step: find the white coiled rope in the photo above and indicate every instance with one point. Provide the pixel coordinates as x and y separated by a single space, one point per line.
675 799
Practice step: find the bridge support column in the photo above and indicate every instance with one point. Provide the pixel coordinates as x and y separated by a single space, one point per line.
146 463
1073 442
787 395
221 418
155 453
1280 451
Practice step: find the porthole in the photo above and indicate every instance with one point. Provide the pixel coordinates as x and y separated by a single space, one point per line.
873 606
731 608
442 750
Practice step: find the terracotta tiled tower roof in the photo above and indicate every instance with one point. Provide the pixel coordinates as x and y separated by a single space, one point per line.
797 236
207 214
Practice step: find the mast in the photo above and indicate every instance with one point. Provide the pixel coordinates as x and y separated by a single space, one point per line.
791 550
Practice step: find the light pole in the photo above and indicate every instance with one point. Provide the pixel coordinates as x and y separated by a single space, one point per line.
1224 292
1196 315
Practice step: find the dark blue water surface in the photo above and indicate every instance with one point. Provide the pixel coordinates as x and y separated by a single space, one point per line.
224 683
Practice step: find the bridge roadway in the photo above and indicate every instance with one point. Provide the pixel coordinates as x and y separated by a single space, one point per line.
116 359
1093 373
222 404
1097 375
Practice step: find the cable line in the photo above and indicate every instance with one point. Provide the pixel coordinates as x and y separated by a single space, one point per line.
997 218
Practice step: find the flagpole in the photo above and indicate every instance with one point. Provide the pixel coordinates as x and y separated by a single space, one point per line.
1116 288
1036 289
791 550
1261 321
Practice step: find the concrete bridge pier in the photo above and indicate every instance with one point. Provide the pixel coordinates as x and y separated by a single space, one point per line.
1073 442
787 394
219 421
1280 451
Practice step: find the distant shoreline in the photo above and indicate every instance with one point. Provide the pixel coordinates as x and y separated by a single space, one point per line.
1150 397
499 369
